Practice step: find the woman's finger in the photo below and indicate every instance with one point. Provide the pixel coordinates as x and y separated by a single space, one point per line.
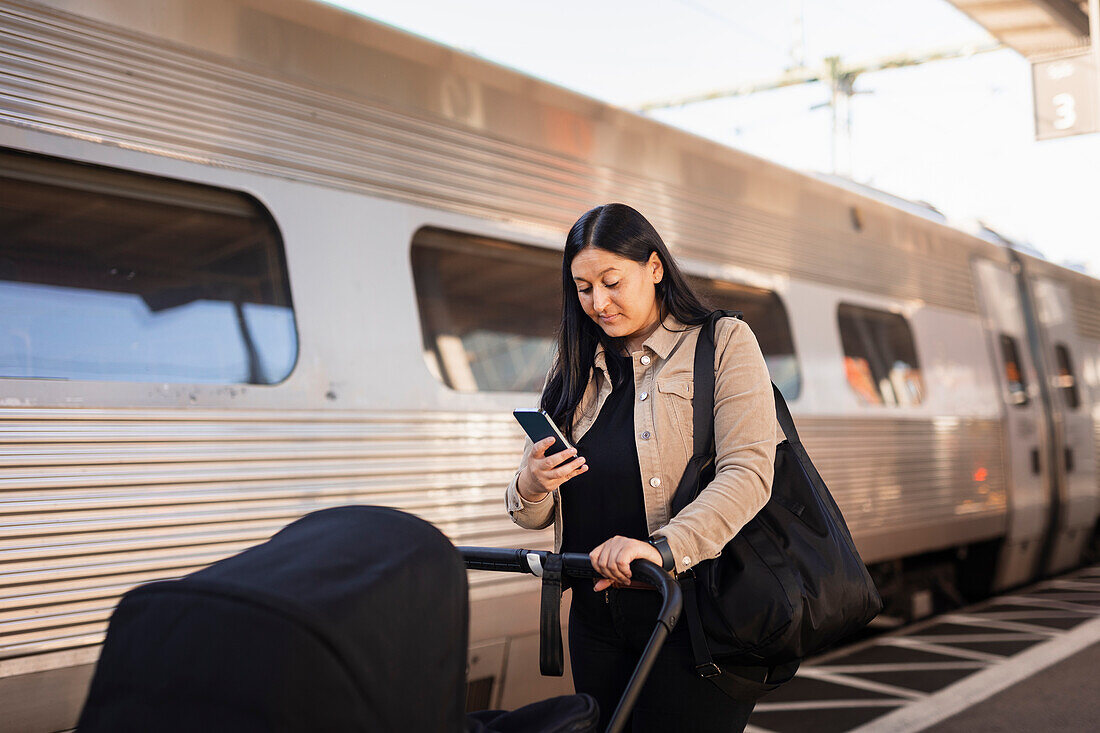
601 561
611 562
567 469
557 460
622 567
623 564
538 450
598 560
592 556
628 555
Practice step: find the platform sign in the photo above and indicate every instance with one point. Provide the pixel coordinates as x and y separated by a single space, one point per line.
1067 89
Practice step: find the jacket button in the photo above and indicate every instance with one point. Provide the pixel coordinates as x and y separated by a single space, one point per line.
687 560
655 482
643 395
646 435
645 360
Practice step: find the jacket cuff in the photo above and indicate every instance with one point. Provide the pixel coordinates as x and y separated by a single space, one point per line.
525 503
527 514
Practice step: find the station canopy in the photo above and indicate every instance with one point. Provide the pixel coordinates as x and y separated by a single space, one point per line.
1032 27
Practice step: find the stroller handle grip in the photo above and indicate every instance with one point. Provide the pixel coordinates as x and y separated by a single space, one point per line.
576 565
672 597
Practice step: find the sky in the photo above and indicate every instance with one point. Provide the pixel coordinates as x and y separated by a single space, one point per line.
957 133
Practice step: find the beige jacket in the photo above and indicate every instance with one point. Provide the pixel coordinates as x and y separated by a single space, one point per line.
745 435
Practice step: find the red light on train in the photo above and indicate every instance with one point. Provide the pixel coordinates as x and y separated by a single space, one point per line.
981 474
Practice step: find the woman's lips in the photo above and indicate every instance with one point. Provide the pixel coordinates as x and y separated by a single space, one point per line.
609 319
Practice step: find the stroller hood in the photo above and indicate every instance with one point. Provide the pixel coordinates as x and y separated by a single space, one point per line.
352 618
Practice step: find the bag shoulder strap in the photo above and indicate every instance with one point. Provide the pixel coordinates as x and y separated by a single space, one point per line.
703 376
703 393
702 414
783 415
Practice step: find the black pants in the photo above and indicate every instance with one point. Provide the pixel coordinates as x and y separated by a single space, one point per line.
606 638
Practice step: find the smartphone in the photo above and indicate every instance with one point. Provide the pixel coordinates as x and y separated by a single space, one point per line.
538 426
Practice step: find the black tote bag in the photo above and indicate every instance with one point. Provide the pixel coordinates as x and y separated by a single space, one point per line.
791 582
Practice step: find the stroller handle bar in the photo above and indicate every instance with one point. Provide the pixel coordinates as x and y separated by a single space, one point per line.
577 565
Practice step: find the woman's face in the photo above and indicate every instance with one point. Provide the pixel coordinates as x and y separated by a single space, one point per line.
619 294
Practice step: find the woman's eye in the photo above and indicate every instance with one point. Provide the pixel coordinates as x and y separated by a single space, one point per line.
611 285
582 291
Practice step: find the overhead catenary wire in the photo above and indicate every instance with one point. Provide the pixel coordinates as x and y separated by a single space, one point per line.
771 44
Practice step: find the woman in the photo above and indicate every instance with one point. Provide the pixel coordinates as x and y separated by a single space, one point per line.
620 388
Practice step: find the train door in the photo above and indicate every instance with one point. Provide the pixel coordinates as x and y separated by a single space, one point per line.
1075 464
1025 430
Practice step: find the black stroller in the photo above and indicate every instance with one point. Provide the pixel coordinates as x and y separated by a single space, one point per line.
349 619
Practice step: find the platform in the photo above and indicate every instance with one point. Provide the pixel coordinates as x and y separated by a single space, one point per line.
1029 660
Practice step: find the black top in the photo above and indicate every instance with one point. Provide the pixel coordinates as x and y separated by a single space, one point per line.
606 500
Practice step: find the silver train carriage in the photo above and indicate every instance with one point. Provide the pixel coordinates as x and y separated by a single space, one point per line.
260 257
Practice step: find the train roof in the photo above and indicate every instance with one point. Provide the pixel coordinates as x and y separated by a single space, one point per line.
917 208
337 48
972 226
317 94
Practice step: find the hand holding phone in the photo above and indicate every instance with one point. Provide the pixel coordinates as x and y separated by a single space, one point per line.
552 461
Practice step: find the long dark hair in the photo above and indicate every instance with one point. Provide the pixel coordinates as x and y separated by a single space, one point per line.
619 229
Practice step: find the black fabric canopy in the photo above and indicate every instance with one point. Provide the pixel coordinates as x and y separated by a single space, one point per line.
352 618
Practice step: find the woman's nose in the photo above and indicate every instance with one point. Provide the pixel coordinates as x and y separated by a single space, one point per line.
600 299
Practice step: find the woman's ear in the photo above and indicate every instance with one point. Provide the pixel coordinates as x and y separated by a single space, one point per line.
656 267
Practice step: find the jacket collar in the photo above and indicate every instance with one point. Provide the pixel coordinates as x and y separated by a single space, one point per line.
667 335
660 342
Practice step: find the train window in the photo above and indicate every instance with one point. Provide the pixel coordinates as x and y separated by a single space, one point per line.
765 314
488 310
1014 371
1066 381
112 275
880 358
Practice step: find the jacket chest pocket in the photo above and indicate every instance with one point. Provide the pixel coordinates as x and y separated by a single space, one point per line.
674 409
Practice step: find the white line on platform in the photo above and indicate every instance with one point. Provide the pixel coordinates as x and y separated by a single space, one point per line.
776 707
1049 603
924 646
895 667
1028 615
984 684
969 638
964 619
817 673
1089 586
1073 596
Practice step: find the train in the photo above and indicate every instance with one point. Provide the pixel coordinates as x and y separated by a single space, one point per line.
262 257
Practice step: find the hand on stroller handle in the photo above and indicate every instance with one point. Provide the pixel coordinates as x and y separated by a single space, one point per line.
576 565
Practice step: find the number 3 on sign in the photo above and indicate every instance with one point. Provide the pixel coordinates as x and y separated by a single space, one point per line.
1065 109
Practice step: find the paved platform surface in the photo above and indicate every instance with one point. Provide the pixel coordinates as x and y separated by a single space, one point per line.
1026 661
1063 697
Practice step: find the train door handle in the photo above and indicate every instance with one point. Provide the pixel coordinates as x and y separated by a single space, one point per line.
1069 459
1036 468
